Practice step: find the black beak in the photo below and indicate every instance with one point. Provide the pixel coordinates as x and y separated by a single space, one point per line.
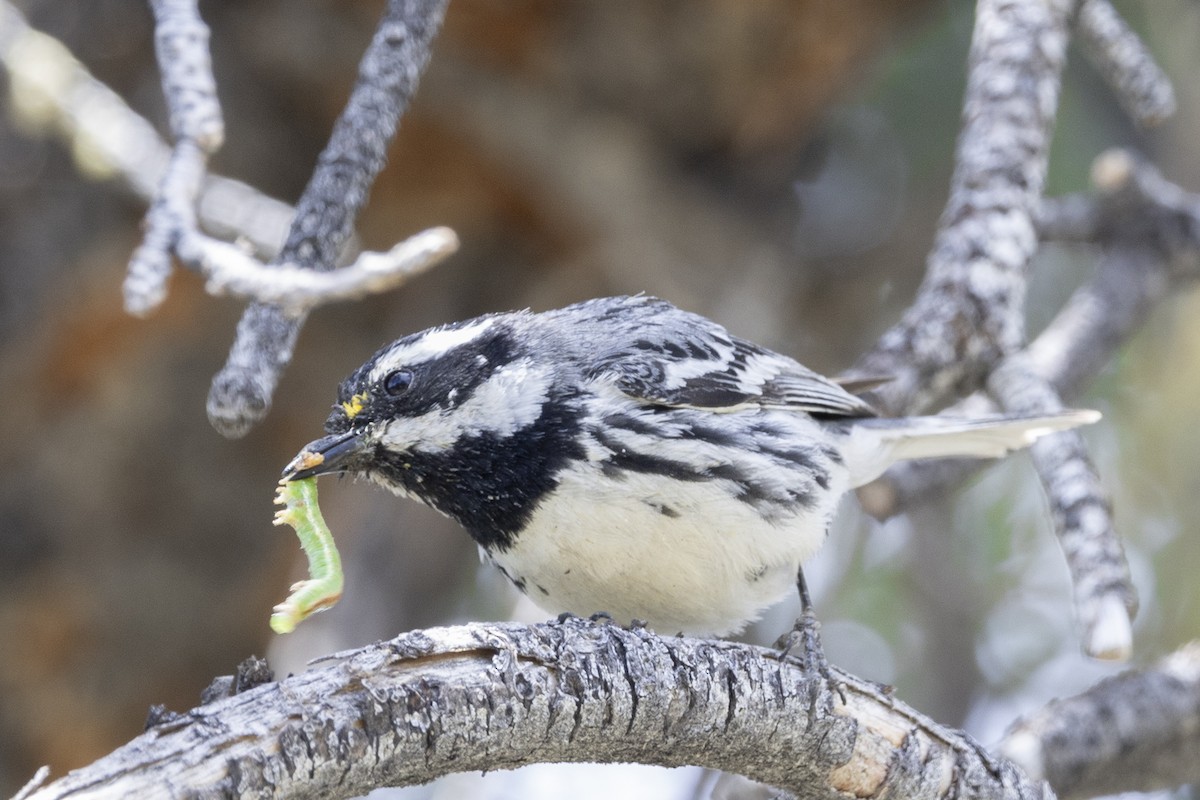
330 454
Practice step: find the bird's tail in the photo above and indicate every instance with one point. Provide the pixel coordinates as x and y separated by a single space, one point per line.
877 443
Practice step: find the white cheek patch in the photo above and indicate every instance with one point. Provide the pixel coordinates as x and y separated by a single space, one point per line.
511 399
431 345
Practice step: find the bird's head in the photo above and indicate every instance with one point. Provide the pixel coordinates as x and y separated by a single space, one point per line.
426 394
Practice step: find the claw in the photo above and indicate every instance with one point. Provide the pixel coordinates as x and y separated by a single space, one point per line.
806 634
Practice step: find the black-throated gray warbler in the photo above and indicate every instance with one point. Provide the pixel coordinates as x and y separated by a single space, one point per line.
623 456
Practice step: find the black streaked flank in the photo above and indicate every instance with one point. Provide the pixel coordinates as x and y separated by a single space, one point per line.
712 434
646 425
633 424
833 455
622 460
806 458
761 494
517 582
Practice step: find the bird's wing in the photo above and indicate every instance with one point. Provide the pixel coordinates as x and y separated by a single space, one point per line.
676 358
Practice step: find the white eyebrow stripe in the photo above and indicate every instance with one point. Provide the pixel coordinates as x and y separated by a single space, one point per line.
429 346
510 400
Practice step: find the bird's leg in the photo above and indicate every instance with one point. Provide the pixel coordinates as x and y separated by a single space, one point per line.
805 636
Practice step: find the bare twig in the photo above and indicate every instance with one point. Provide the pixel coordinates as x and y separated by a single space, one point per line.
51 92
241 392
1105 600
1142 88
295 289
171 213
481 696
33 783
181 44
1138 731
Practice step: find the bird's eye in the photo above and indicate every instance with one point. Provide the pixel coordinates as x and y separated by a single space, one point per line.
398 382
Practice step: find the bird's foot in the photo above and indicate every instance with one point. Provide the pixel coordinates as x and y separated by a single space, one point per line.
803 643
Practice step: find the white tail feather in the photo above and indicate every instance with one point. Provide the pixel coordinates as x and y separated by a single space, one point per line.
876 444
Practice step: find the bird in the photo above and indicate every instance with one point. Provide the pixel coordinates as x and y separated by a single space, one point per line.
627 457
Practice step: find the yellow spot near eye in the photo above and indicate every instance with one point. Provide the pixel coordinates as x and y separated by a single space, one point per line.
354 405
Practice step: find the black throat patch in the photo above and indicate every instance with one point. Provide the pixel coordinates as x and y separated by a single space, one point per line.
490 483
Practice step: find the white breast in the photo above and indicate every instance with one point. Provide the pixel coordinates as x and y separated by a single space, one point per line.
683 556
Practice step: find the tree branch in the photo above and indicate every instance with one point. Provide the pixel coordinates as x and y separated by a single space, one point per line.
296 290
488 696
52 93
241 392
1138 731
181 45
1142 88
1105 599
969 312
1149 232
967 323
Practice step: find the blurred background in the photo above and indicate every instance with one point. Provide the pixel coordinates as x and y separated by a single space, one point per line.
778 166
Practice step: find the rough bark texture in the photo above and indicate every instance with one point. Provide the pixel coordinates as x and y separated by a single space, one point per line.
1123 60
968 319
1149 233
485 697
970 310
266 336
1139 731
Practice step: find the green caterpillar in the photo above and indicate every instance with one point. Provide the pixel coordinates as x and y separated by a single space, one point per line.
324 585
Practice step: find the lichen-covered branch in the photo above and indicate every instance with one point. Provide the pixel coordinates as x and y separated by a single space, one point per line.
488 696
1138 731
1105 599
966 327
1149 230
388 74
51 93
969 312
1142 88
181 45
1149 233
